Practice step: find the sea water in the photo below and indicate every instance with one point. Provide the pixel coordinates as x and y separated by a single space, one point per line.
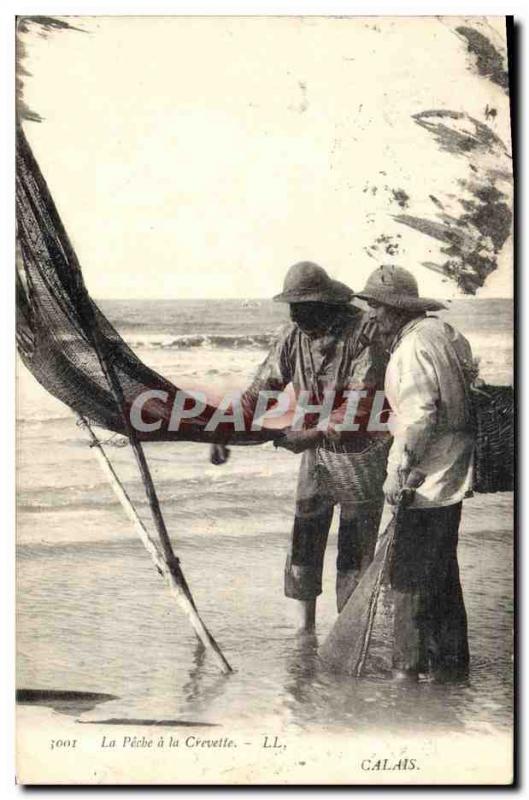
94 615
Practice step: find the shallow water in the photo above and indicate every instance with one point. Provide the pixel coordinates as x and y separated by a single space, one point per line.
97 617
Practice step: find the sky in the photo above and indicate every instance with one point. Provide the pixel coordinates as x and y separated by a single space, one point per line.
201 157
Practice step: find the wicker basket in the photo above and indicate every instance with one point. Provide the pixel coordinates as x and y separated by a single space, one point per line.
354 477
493 422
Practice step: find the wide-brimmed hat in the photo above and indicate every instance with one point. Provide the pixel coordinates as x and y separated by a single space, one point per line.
396 287
306 282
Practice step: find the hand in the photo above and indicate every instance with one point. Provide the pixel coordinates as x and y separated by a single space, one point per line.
219 454
298 441
400 486
392 488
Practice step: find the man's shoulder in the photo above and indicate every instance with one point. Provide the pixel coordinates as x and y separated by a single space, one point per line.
419 333
435 333
285 331
427 329
284 336
436 330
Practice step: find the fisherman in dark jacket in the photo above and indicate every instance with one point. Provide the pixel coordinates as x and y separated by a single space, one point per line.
329 345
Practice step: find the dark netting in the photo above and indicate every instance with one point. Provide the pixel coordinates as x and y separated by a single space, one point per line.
493 408
61 333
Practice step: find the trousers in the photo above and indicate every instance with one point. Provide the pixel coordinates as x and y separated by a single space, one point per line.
430 622
357 534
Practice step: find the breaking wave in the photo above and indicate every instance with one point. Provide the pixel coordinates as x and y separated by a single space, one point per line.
257 341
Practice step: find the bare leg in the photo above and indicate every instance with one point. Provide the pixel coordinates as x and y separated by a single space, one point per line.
304 563
306 613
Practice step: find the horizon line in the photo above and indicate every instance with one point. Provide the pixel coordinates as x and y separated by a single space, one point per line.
249 297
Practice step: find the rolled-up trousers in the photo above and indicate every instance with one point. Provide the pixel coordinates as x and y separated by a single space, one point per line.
357 536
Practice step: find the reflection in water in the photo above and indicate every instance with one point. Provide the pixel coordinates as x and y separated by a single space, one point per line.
191 689
312 692
202 688
301 668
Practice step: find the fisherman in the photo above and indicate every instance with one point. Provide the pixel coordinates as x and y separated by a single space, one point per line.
329 345
427 386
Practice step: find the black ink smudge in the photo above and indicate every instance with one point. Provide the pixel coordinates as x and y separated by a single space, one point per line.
490 113
401 197
489 62
447 127
480 218
44 25
384 243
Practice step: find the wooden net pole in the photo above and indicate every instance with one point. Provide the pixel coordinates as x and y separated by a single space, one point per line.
165 561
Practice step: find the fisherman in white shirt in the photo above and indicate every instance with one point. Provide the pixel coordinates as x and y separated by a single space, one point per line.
427 386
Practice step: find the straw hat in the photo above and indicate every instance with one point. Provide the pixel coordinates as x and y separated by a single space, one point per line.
306 282
396 287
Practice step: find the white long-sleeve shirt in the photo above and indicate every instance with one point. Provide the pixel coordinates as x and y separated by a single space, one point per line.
426 386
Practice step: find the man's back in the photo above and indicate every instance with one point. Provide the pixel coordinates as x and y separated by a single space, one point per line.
427 382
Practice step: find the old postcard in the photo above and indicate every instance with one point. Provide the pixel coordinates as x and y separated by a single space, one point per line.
265 400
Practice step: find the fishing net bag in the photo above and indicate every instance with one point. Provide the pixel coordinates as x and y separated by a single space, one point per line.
493 425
